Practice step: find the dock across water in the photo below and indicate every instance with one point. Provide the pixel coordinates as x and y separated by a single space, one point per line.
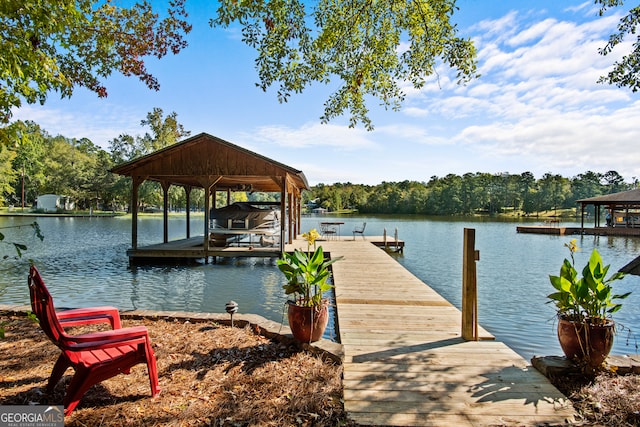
405 363
556 228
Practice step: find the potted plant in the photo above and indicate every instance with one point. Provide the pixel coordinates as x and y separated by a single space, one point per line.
584 307
307 275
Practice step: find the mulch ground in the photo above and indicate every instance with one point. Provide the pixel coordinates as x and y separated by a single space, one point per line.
214 375
210 375
607 399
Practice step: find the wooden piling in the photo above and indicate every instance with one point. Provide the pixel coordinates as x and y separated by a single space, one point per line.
469 286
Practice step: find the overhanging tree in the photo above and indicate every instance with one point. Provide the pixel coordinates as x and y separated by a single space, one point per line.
58 45
625 72
370 46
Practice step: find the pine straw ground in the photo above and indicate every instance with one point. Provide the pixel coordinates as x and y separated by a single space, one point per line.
209 375
214 375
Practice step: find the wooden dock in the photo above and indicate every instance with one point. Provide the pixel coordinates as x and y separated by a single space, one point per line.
406 363
193 249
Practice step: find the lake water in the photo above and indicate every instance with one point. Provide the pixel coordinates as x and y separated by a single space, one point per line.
83 260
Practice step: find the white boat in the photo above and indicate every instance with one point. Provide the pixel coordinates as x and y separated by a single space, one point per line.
245 223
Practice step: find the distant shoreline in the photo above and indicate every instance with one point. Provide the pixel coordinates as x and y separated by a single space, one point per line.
95 214
59 215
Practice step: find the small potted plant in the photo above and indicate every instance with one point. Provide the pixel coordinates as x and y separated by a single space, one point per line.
307 275
584 307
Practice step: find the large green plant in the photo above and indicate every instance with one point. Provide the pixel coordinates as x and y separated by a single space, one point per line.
589 298
307 273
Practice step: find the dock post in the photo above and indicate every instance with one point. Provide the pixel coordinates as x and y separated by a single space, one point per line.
384 238
395 236
469 286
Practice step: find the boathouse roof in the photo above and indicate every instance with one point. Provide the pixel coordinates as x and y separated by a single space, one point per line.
624 198
203 159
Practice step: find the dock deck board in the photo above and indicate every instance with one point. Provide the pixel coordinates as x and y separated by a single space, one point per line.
193 248
406 363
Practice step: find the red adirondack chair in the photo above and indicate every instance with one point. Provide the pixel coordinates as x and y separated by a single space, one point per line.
95 356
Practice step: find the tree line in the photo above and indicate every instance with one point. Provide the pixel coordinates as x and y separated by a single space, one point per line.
471 193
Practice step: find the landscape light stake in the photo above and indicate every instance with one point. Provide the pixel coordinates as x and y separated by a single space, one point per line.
231 308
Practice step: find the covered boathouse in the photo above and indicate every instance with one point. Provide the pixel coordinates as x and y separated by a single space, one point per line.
623 208
215 165
622 217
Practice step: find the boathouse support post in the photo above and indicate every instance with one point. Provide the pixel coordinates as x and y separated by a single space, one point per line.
300 207
469 286
165 210
208 184
208 187
296 214
135 185
283 212
210 192
291 216
187 193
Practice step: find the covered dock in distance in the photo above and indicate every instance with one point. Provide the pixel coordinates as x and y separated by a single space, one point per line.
623 208
217 166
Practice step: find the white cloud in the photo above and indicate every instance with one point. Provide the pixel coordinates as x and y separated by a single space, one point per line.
537 31
587 5
500 29
566 141
100 124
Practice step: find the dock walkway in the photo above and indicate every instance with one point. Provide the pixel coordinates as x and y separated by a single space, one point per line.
406 363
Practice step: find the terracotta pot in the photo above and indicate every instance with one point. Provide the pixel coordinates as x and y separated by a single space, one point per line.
586 343
308 323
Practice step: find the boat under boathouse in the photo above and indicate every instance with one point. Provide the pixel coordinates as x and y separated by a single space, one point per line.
219 167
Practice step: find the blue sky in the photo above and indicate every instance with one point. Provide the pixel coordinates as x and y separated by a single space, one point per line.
536 107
